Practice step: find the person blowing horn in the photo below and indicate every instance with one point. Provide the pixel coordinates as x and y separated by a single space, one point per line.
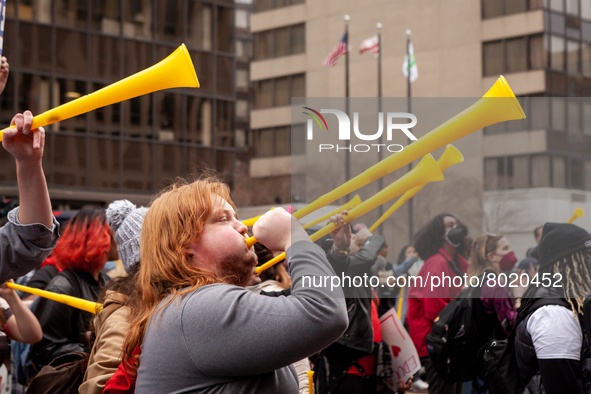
200 330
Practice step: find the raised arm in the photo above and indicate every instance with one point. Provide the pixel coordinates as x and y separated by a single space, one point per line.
27 146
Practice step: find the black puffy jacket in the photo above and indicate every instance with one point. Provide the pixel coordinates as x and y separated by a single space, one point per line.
65 327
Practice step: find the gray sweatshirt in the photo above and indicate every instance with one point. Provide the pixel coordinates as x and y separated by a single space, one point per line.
23 247
224 339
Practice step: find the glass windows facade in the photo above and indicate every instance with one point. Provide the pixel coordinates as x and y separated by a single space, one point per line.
60 50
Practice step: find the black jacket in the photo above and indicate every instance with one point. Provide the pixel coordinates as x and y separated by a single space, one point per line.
332 363
553 375
359 334
65 327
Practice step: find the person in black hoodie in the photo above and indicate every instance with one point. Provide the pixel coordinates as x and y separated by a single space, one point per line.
550 341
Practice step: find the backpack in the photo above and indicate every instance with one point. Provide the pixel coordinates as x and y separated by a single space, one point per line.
501 372
458 333
62 376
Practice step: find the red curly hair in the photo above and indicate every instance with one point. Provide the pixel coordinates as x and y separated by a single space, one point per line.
85 242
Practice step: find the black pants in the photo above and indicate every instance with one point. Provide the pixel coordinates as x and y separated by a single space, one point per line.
436 384
353 384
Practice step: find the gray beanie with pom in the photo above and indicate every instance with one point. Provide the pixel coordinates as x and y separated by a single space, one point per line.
125 220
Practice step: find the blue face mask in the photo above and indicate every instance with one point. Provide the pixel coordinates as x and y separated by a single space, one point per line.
455 236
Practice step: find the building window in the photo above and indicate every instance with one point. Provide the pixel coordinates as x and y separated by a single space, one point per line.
284 41
577 177
243 48
586 105
559 171
549 113
266 5
275 141
495 8
242 79
538 170
587 174
279 91
506 173
514 55
572 7
242 109
242 19
586 10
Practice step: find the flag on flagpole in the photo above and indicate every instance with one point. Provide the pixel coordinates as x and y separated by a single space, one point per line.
339 50
414 71
370 45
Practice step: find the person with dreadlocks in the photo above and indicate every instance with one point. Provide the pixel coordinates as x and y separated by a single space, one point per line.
441 244
550 343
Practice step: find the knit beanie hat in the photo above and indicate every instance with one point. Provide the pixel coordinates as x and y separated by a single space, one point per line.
126 220
560 240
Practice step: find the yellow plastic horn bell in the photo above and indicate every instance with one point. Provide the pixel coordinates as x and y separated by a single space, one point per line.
176 71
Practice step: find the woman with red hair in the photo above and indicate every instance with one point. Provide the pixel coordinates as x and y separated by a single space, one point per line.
81 253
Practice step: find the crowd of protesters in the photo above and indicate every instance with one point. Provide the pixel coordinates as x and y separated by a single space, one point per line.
184 311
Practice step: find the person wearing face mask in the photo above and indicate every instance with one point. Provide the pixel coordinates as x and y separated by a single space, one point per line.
492 255
440 243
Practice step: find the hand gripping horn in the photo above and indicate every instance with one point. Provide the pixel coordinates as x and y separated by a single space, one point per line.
426 171
450 156
497 105
176 71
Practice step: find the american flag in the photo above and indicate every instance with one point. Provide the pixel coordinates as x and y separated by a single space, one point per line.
339 50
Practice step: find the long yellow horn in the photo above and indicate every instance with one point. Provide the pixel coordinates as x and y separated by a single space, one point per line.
490 109
426 171
175 71
450 156
579 213
75 302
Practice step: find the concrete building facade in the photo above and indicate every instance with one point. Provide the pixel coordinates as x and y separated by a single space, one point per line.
516 175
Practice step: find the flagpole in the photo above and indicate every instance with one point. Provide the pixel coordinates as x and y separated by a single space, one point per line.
408 67
380 153
348 144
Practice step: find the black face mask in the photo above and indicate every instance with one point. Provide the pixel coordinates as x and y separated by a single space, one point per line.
455 236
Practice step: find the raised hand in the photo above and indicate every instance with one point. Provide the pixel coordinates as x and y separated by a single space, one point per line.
277 230
24 144
342 235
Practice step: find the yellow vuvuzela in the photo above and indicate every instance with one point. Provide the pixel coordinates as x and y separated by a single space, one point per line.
348 205
579 213
75 302
450 156
426 171
497 105
176 71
